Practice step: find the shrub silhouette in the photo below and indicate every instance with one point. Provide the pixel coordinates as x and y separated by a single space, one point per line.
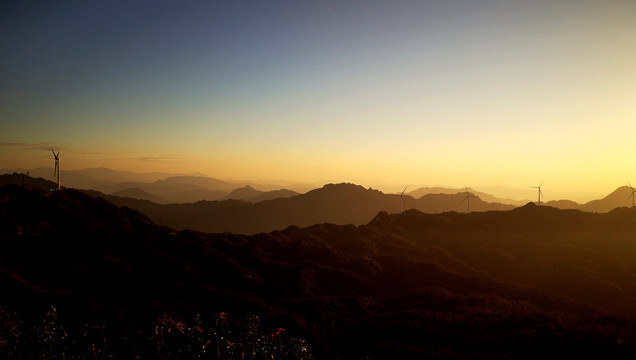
170 337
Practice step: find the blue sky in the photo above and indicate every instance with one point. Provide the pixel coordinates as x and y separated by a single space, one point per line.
425 92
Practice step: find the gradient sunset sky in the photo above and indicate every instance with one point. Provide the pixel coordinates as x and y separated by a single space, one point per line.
456 93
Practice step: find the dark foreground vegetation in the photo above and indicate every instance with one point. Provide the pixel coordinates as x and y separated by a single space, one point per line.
169 337
82 278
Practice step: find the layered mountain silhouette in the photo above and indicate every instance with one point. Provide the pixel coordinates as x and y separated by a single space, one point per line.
334 203
419 192
161 187
190 189
137 193
618 198
177 189
248 193
564 204
533 282
94 177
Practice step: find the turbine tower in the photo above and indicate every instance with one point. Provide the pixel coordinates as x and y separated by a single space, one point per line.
467 198
402 202
632 194
56 172
540 193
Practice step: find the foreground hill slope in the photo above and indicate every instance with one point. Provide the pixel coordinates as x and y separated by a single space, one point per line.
528 283
24 180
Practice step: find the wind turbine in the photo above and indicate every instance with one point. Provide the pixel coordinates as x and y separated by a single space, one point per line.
402 202
540 193
632 194
468 196
57 167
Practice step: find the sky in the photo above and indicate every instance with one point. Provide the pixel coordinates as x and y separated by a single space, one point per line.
383 93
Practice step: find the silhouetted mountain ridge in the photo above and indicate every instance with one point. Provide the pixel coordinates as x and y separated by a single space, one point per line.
94 177
248 193
422 191
618 198
342 203
23 179
563 204
411 285
137 193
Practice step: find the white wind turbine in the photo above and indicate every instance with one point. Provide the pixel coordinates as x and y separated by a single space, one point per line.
540 193
467 198
632 194
402 202
57 167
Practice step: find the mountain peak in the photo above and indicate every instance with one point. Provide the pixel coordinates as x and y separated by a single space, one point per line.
28 181
382 218
345 187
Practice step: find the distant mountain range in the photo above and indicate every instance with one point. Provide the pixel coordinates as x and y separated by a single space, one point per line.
250 194
563 204
163 188
482 195
247 210
137 193
189 189
333 203
108 180
529 283
618 198
177 189
94 177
